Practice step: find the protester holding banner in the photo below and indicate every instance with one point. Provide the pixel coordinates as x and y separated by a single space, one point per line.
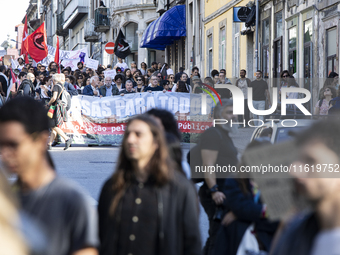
128 88
109 89
154 85
119 82
140 84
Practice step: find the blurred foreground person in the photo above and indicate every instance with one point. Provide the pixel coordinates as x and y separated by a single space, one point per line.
59 206
317 231
245 228
147 207
11 240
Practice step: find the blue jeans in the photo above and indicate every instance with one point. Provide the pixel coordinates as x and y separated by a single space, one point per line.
259 105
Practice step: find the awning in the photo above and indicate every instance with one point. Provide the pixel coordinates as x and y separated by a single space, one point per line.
166 29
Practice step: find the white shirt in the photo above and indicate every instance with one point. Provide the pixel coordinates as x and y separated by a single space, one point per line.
95 89
243 85
108 91
122 66
327 242
175 87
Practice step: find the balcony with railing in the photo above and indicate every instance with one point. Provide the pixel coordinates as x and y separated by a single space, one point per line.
60 25
119 5
89 34
74 12
102 19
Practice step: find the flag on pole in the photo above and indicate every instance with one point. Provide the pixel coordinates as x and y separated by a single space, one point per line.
12 88
56 57
24 42
36 44
122 47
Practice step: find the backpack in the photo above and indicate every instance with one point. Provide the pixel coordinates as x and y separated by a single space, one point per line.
65 98
23 85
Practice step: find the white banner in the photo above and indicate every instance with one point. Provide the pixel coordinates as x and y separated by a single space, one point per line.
110 73
91 63
100 120
63 54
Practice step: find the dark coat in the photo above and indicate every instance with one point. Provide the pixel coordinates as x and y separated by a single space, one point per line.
247 212
115 90
178 232
298 236
88 91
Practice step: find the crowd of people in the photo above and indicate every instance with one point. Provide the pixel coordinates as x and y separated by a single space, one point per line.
149 205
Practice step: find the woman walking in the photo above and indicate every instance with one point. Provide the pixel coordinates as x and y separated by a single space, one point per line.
59 112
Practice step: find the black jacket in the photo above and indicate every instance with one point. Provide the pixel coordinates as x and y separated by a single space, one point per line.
179 232
247 212
298 236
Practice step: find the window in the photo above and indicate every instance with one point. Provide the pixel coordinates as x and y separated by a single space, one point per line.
331 50
265 34
222 48
292 49
278 26
265 50
210 53
308 31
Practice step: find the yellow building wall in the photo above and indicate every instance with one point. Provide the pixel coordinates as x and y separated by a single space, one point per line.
210 7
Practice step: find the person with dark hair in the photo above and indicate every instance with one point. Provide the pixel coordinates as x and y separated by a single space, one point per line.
44 90
56 204
154 85
216 148
140 84
168 120
150 71
214 72
21 63
315 230
222 77
119 82
184 79
165 84
52 65
323 105
260 94
128 88
147 207
80 66
128 75
179 74
154 66
3 81
26 87
121 65
143 68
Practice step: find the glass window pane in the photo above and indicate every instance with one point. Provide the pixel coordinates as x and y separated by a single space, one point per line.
331 42
278 22
265 35
292 38
308 30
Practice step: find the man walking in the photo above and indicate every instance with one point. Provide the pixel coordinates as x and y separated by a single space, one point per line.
109 89
315 231
260 94
243 83
56 204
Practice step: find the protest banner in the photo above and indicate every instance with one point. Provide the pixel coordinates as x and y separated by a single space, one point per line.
110 73
80 54
71 63
102 120
91 63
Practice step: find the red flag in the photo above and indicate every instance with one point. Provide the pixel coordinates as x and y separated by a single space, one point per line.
24 42
56 57
36 44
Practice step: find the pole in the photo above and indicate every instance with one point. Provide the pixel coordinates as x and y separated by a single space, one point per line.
257 36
